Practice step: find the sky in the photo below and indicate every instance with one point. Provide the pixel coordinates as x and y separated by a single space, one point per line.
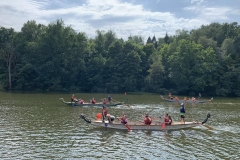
124 17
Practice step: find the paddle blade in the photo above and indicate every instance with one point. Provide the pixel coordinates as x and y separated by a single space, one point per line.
129 129
161 96
163 126
208 127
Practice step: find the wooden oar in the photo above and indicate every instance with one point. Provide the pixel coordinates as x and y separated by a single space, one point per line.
115 100
207 126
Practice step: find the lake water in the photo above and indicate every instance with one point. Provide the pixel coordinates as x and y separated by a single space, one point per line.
40 126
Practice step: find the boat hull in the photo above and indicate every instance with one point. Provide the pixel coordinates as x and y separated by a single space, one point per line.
155 126
152 127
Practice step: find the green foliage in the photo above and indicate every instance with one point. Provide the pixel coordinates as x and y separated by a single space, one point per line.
57 58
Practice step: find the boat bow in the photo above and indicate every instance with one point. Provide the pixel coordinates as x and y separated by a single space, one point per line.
85 119
208 116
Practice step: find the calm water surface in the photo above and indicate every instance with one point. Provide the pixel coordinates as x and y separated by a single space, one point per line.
40 126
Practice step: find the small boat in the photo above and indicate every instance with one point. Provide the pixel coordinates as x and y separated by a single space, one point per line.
187 101
93 105
155 126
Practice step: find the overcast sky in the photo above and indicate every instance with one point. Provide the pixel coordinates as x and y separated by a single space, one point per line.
125 17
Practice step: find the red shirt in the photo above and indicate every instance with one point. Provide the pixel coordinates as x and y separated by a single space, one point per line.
167 121
147 120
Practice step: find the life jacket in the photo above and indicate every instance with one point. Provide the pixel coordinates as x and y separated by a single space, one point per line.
147 121
93 101
182 110
82 101
167 121
99 116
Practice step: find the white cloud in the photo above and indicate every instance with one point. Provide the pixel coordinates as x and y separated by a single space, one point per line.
124 18
197 1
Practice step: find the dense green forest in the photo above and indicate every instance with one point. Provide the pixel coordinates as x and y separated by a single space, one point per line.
57 58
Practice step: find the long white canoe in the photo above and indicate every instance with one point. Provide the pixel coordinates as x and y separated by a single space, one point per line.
140 126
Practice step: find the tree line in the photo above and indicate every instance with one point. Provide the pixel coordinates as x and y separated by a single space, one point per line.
57 58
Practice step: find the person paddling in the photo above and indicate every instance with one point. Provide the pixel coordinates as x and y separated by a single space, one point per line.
147 120
124 121
73 98
109 99
93 101
167 119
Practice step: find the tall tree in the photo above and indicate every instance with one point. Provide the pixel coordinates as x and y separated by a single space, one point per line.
7 51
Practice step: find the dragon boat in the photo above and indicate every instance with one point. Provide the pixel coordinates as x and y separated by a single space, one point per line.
155 126
93 105
187 101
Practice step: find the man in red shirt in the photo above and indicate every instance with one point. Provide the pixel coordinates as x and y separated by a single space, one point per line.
147 120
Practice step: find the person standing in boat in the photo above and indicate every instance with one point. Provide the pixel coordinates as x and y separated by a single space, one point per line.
182 113
109 99
104 113
147 120
199 96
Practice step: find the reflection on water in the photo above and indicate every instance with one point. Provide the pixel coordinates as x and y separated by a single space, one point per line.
40 126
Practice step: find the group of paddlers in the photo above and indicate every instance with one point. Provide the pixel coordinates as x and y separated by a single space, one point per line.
185 98
147 120
93 100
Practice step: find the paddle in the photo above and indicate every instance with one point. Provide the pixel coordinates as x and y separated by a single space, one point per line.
162 97
115 100
129 129
208 127
210 99
163 125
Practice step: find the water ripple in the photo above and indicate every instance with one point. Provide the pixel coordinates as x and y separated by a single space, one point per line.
53 132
